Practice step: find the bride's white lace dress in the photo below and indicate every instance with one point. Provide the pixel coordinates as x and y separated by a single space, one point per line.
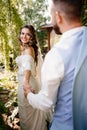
30 118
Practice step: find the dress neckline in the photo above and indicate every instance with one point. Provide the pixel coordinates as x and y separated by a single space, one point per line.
26 55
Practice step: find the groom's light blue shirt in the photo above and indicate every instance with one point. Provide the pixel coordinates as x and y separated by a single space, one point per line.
68 47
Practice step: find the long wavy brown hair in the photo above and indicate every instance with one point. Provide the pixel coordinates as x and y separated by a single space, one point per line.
32 42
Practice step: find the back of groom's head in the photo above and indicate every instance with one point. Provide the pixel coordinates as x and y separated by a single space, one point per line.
71 8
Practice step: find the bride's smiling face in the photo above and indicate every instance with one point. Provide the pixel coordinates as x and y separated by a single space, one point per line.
25 35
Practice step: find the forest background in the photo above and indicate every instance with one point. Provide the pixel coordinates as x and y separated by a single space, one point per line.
13 15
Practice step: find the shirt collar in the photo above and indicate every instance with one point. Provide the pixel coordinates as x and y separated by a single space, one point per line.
72 31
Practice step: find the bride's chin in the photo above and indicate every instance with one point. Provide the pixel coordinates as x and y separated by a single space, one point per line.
24 43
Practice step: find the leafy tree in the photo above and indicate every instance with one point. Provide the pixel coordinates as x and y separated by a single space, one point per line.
34 12
10 21
84 12
14 14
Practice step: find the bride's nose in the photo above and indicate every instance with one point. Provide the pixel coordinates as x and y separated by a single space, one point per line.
24 35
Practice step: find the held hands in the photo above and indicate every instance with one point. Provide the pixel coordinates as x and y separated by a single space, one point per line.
27 89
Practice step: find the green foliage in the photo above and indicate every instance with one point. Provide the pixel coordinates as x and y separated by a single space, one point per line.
3 109
10 22
14 14
42 37
34 13
8 97
84 13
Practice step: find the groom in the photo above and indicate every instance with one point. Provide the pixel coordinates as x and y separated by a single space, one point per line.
64 71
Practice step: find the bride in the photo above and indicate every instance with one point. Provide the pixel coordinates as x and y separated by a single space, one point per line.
27 61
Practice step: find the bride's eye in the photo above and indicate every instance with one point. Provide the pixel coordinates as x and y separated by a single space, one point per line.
28 34
22 33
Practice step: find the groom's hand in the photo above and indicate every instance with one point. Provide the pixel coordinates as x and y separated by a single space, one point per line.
28 90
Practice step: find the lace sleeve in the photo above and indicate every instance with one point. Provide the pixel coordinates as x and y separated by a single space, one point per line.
27 62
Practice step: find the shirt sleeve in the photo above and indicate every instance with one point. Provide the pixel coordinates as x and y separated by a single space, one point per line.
52 73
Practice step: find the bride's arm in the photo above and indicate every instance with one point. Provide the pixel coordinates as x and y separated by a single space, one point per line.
26 79
27 71
52 74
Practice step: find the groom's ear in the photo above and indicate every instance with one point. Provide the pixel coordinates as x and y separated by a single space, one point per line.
59 17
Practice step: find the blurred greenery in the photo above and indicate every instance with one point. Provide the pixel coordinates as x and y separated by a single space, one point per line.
8 96
13 15
3 109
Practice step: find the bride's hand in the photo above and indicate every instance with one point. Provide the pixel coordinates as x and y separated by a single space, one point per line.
28 89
